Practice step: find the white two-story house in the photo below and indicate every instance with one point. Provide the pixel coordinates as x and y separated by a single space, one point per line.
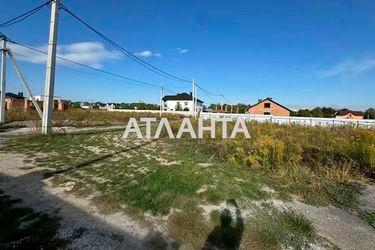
181 102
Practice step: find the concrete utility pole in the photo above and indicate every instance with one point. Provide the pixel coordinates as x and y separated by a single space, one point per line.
196 100
50 70
193 94
3 79
221 102
24 82
161 98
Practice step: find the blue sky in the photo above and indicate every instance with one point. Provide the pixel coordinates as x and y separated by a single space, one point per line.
301 53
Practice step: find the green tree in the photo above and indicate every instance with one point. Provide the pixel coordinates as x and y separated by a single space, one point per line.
76 104
243 108
317 112
304 113
328 112
369 113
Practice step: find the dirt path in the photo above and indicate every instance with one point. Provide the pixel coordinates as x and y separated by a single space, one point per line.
338 226
98 230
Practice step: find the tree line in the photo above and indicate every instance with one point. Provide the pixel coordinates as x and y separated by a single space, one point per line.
134 105
328 112
323 112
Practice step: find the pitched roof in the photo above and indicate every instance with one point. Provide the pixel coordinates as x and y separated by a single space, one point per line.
270 99
180 97
12 95
343 112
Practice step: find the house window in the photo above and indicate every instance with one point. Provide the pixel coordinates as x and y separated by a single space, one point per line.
266 113
267 105
186 103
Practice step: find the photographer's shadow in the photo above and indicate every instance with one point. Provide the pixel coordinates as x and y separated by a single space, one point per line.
226 236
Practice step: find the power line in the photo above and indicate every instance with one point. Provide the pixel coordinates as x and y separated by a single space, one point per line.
212 94
23 16
206 91
125 51
96 76
86 66
209 97
109 79
89 74
135 82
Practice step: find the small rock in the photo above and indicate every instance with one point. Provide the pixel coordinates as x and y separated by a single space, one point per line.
204 164
69 186
202 189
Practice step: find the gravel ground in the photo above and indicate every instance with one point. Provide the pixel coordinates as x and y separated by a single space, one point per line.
98 231
341 228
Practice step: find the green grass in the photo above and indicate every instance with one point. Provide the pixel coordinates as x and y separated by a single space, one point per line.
155 176
369 217
272 228
314 189
75 117
316 165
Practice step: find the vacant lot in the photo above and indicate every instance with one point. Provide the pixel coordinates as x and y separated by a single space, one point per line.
266 192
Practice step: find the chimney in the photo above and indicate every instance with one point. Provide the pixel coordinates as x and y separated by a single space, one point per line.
191 94
20 94
259 100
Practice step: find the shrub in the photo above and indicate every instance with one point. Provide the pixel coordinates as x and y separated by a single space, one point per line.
335 151
267 152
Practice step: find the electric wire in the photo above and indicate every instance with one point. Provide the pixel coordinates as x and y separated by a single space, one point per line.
86 66
23 16
138 83
125 51
120 48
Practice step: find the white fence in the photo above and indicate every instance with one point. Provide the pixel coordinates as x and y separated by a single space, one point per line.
185 113
307 121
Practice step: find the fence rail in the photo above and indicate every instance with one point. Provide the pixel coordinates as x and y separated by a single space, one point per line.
306 121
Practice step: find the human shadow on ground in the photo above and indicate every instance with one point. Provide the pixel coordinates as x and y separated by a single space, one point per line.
226 236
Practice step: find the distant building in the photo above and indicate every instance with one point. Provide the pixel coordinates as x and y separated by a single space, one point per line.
181 102
268 107
99 105
14 101
349 114
85 105
19 102
40 98
111 106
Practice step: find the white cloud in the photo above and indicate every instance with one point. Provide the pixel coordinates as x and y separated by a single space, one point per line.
182 51
349 68
89 53
147 53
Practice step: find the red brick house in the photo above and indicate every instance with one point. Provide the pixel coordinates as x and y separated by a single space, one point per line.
19 102
349 114
268 107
